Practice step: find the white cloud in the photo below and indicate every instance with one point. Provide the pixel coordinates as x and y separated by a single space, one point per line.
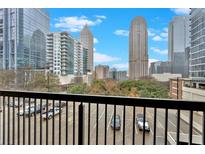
100 16
152 60
161 35
95 40
150 32
100 58
121 66
164 34
181 11
75 23
157 38
121 32
94 49
157 50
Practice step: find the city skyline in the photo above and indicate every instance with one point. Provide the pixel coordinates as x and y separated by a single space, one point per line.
111 33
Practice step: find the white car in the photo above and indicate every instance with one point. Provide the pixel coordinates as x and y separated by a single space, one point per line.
51 113
140 123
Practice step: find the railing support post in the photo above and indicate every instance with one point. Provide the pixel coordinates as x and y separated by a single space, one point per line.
80 124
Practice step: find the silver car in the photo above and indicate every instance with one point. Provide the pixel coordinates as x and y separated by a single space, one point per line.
140 123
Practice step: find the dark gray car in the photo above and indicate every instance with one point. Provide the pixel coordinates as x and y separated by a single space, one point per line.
117 122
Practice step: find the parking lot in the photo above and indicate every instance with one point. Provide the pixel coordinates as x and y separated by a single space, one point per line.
100 127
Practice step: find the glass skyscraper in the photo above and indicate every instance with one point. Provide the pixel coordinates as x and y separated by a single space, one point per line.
23 38
197 50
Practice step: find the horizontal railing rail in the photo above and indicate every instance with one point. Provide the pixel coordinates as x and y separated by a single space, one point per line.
112 100
93 119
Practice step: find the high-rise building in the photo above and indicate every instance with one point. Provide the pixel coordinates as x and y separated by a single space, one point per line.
121 75
23 37
160 67
178 43
86 38
85 61
102 72
60 53
138 53
197 49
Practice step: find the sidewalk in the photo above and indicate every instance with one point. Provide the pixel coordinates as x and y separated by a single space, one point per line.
197 120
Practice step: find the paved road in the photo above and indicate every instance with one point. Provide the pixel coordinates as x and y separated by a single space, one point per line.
93 125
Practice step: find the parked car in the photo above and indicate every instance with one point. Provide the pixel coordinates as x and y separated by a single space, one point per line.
51 113
32 110
117 122
140 123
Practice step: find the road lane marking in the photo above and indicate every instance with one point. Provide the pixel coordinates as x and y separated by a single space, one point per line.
122 122
99 118
109 121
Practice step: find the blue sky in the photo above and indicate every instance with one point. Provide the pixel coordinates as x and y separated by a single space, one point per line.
110 29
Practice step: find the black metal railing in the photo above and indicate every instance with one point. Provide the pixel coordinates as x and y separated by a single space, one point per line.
48 118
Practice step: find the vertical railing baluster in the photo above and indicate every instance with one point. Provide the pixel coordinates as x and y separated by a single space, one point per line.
203 131
97 123
60 122
124 112
19 120
4 120
46 121
190 127
73 123
66 140
178 126
14 121
105 138
144 119
114 124
24 116
89 123
166 126
133 127
35 121
29 121
8 121
80 124
41 126
53 125
155 124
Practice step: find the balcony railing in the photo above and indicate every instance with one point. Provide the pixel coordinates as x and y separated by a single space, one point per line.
48 118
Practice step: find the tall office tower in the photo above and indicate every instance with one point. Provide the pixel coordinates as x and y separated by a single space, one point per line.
178 44
102 71
138 54
23 38
197 49
86 38
60 53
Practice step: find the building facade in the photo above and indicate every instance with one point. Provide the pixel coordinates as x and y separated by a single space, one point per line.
160 67
60 53
102 72
178 42
23 38
138 53
197 49
86 38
